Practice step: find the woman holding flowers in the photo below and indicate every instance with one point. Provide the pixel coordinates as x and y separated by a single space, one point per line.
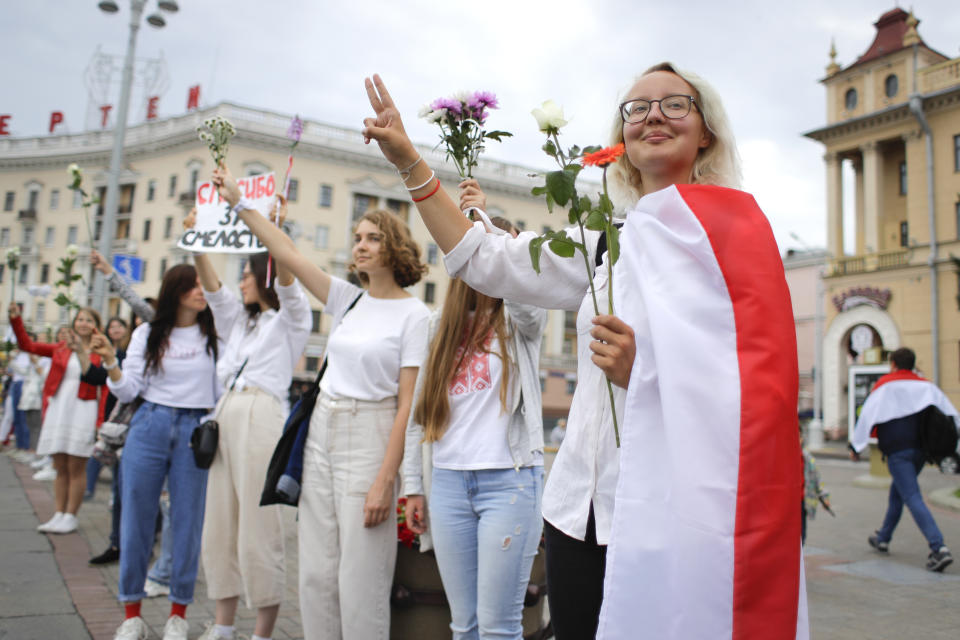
265 330
171 365
474 448
675 533
72 409
348 541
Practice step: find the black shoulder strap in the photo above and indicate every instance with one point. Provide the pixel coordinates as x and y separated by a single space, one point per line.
602 245
323 367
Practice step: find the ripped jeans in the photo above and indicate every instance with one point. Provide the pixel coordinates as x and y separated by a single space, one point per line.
486 527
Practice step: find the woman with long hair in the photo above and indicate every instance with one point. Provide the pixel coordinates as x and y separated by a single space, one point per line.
347 536
265 331
679 155
478 426
171 365
72 409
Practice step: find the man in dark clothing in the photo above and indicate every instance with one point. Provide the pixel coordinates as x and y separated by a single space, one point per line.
891 413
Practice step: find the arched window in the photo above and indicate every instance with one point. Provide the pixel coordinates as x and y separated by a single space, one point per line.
850 99
891 85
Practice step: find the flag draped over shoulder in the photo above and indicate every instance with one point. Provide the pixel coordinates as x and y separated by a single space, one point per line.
897 395
706 529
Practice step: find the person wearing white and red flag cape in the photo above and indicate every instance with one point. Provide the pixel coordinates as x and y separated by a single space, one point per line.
706 531
893 413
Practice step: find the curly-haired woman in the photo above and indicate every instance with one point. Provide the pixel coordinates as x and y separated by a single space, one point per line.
348 540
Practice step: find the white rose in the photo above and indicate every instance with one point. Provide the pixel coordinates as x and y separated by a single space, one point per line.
549 116
72 251
73 168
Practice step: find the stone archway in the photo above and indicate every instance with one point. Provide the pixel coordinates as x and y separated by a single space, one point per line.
882 323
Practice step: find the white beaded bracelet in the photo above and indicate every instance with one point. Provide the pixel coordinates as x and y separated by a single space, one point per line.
405 173
433 175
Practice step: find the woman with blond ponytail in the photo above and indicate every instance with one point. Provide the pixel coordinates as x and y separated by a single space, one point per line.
474 452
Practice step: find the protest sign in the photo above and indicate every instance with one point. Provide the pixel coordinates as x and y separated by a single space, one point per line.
219 230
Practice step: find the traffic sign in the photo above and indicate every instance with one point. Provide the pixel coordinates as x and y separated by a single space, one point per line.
130 268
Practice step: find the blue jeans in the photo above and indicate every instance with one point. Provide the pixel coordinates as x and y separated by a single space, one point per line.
93 474
162 569
158 448
20 429
117 507
905 466
486 528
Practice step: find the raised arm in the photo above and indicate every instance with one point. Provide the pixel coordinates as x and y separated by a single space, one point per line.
23 340
140 306
280 245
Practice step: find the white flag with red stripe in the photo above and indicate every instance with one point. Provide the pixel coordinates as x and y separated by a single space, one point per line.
706 530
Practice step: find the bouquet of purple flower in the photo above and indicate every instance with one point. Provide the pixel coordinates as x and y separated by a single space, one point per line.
461 118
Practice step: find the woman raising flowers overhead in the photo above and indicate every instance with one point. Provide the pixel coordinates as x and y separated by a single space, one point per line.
704 319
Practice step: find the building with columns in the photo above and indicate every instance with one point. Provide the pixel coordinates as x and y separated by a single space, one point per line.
336 179
893 116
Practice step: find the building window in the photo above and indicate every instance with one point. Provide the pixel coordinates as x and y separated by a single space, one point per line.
48 237
168 228
54 199
956 153
2 268
163 268
151 190
321 237
521 225
33 197
146 230
312 363
194 178
316 319
850 99
400 207
326 195
429 292
5 237
72 234
44 273
956 212
432 253
903 178
891 85
172 190
125 205
24 271
361 204
571 386
904 234
77 199
27 235
8 201
293 190
40 313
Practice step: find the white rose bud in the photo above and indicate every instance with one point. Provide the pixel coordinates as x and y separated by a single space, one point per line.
549 116
72 251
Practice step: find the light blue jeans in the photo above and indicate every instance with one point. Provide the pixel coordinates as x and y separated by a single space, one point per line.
158 448
162 567
486 528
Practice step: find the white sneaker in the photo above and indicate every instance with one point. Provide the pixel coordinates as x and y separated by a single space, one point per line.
176 628
41 462
155 589
46 473
66 524
22 456
51 523
210 633
132 629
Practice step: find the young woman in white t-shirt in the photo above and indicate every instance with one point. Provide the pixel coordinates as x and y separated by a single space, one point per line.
475 452
347 534
171 365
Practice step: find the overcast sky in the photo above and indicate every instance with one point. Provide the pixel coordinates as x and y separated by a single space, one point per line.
310 57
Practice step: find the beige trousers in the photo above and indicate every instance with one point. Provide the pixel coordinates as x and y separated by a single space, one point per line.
346 569
242 546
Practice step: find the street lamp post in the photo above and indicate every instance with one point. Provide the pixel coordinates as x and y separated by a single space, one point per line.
109 220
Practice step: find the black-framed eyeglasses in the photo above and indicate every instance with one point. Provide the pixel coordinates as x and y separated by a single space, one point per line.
673 107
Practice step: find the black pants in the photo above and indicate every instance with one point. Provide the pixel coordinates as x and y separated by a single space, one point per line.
574 581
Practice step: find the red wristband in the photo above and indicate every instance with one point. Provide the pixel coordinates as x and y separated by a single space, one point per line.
435 189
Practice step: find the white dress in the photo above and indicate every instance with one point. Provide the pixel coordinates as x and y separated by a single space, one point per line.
70 424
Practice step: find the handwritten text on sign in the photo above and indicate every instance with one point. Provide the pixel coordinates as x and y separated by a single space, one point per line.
218 230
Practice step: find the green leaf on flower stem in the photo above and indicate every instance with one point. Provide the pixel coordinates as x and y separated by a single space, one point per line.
592 148
605 204
574 152
75 277
563 247
550 202
613 244
596 221
538 191
561 186
573 216
536 248
498 135
62 300
550 149
585 204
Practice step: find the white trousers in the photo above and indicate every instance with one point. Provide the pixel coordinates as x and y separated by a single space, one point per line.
242 545
346 569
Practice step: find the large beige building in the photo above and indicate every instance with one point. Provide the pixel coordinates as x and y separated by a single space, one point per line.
893 115
337 178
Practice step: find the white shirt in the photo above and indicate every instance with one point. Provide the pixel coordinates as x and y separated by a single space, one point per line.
185 379
588 463
476 437
270 346
378 338
20 366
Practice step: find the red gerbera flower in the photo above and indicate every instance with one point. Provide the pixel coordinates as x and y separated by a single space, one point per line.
603 157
